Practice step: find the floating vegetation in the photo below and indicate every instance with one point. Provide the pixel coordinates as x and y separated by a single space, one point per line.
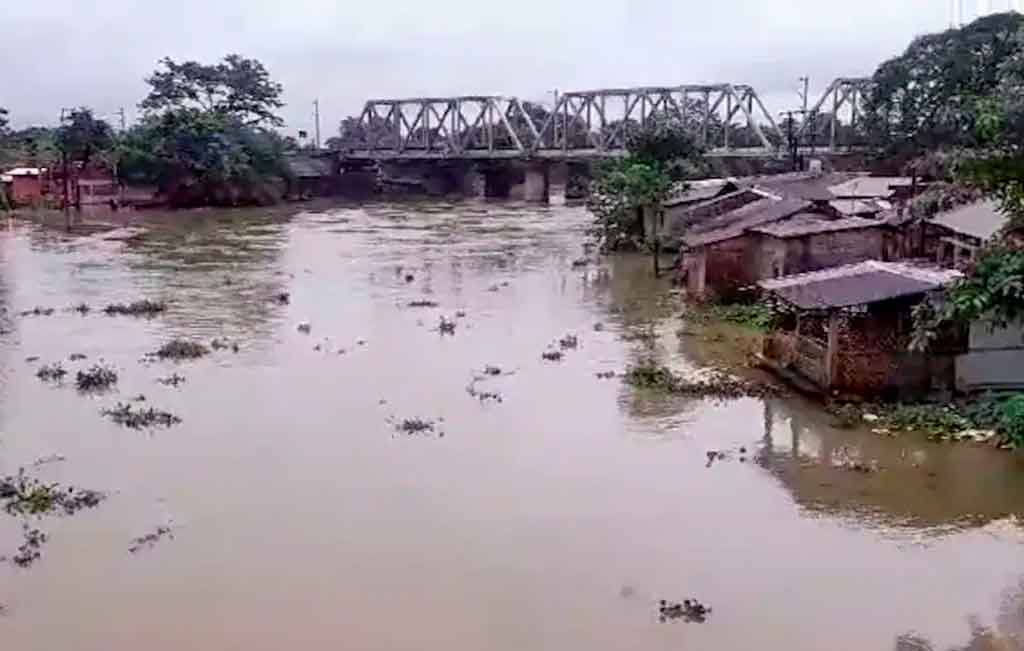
29 551
23 495
605 375
172 380
38 311
651 375
32 359
181 349
446 326
409 278
149 540
77 357
461 314
282 298
305 327
598 327
97 378
415 426
552 355
690 611
423 303
127 416
51 372
568 342
81 308
144 307
483 396
579 263
224 344
492 370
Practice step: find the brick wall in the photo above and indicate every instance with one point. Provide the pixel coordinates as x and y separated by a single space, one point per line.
814 252
730 265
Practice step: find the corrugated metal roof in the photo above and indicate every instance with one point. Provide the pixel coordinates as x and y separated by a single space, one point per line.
860 206
813 224
25 171
862 283
699 191
735 222
869 186
981 220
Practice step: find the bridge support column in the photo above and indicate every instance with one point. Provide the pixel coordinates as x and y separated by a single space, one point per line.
577 181
537 184
497 183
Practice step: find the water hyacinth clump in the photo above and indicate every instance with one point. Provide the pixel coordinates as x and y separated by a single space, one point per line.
96 378
179 349
143 307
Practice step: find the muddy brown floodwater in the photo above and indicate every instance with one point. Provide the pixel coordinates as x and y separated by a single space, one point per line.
360 485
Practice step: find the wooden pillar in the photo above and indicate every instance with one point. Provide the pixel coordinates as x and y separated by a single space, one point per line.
832 350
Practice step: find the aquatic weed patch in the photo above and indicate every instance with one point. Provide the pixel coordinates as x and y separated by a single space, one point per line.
144 307
51 372
181 349
96 378
650 375
132 417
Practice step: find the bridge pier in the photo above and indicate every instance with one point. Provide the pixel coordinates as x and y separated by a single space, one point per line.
497 182
537 182
577 181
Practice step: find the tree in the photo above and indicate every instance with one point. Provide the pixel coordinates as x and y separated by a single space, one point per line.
236 87
626 191
927 97
84 136
3 121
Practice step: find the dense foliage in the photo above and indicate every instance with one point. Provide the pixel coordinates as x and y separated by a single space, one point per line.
659 156
206 137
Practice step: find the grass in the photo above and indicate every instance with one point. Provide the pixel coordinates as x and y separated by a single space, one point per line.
755 316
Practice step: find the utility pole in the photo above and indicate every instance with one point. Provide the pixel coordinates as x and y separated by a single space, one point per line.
120 114
316 114
806 81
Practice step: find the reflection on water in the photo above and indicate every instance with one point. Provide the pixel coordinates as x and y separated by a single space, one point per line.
555 519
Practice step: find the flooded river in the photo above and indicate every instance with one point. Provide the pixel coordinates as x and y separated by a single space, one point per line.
547 509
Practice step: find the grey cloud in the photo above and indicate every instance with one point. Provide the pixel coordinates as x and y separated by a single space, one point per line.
68 52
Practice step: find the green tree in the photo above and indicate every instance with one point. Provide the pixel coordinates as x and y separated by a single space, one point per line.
237 87
629 192
83 137
927 98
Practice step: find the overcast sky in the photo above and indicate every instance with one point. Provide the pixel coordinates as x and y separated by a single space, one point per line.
97 52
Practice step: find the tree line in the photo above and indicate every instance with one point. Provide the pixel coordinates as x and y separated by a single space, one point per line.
207 135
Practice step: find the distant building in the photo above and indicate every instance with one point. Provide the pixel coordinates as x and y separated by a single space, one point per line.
26 186
848 330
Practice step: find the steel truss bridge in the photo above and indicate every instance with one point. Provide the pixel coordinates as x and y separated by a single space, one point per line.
729 120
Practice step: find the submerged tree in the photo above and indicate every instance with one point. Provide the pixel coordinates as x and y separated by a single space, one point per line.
206 135
84 136
627 194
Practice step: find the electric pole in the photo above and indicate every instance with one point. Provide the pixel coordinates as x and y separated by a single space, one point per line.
120 114
806 81
316 115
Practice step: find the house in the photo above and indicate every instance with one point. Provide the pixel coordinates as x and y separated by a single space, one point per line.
956 235
718 255
847 330
811 241
27 186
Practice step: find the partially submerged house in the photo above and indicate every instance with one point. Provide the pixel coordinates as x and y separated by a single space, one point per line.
848 329
26 186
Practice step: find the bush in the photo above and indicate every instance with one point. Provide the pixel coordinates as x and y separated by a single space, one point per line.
1011 419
